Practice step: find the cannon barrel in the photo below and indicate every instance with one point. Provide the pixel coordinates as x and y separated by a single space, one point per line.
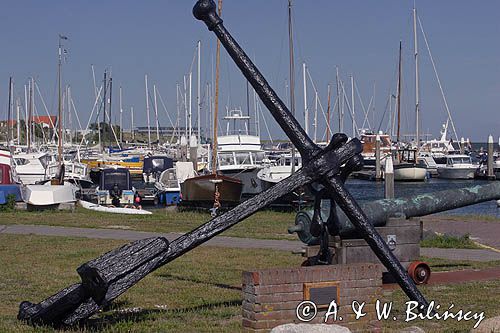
415 206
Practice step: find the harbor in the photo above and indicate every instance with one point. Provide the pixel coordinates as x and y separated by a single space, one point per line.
202 172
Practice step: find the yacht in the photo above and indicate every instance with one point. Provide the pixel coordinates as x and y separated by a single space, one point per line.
457 167
239 153
31 167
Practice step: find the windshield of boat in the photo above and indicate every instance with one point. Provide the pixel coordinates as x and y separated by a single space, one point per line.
226 159
459 160
116 177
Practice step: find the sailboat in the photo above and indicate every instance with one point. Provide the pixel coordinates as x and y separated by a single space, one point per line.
406 167
57 191
212 190
287 163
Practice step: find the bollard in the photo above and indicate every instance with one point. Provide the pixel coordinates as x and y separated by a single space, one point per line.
389 178
491 175
378 171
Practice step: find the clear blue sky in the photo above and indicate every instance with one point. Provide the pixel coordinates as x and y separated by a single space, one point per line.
361 37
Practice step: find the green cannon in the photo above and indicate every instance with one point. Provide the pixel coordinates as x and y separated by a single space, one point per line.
379 211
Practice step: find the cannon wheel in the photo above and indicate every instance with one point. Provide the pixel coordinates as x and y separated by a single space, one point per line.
420 272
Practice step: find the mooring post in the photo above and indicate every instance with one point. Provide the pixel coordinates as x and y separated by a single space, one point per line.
389 178
491 175
378 170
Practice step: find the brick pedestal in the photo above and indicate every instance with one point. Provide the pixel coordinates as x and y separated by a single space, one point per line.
271 297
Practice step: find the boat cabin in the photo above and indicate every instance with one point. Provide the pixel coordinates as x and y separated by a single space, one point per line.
155 165
452 160
115 187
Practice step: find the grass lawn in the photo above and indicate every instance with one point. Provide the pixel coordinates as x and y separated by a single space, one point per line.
450 242
263 225
199 292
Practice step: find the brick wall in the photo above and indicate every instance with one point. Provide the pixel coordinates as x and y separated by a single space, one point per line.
270 297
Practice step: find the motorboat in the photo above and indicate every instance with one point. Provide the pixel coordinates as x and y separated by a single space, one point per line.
407 168
31 167
269 175
240 154
115 186
457 167
169 182
153 166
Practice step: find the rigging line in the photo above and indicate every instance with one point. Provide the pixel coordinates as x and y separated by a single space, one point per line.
319 100
346 101
41 126
90 117
45 106
324 138
362 106
165 108
437 78
265 122
385 111
76 114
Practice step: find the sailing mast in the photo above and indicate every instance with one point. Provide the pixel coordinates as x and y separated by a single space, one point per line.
306 110
147 110
328 117
156 115
110 127
292 72
399 95
216 102
417 97
198 96
59 103
104 102
9 114
121 116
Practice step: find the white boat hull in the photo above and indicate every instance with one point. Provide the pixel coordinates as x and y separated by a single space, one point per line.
48 195
115 210
410 174
456 173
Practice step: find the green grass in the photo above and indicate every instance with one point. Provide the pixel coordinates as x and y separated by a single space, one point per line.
262 225
198 292
449 242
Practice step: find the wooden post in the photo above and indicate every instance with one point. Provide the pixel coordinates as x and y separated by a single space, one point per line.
378 171
491 175
389 178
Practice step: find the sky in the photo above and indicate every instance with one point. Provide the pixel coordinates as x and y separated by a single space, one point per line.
361 38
